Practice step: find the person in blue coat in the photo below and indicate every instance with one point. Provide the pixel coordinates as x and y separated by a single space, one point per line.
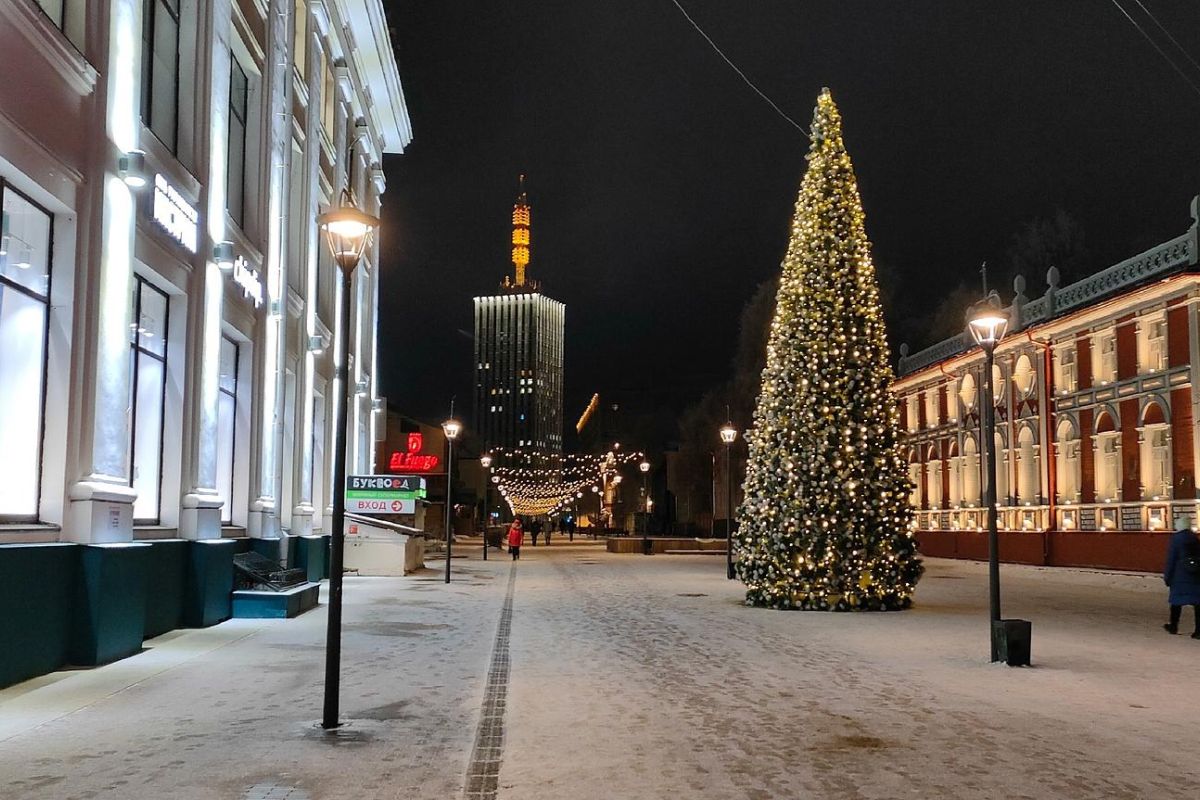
1182 576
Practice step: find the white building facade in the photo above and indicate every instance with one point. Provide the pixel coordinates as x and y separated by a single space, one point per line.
166 304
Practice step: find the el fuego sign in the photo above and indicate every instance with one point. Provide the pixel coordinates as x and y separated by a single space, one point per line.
383 494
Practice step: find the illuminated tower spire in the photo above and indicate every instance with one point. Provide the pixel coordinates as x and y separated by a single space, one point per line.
520 235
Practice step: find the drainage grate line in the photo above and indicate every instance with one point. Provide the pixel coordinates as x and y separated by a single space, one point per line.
483 770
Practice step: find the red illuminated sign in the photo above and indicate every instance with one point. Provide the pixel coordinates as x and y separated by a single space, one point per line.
413 460
407 462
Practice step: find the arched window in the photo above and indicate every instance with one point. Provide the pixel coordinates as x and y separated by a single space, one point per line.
967 392
970 472
955 461
933 473
1067 463
997 385
1028 483
1024 376
1108 457
1155 453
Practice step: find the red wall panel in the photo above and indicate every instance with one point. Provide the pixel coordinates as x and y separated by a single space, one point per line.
1083 361
1131 478
1183 460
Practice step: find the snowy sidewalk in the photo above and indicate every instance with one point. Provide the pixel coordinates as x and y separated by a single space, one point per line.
635 677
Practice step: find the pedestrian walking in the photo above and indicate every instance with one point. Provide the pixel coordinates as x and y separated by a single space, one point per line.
1182 576
535 528
515 535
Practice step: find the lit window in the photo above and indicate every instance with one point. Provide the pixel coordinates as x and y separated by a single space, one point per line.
1024 376
967 391
1106 371
147 398
1108 467
1156 346
227 425
1064 361
24 315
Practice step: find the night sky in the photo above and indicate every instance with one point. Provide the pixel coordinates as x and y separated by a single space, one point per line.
662 187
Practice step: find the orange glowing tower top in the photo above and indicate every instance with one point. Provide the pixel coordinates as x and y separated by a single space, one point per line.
520 242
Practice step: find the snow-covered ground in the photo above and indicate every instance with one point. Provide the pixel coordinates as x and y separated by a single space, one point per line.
636 677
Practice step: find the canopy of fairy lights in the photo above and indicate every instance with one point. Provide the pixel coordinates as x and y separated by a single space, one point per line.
533 483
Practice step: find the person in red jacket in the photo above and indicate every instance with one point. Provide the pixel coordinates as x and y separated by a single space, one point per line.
515 535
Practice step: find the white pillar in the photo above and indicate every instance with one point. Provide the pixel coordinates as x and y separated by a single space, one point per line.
100 498
263 519
200 516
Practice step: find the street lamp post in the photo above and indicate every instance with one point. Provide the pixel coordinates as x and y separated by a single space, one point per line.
451 428
988 324
728 436
348 232
645 468
485 461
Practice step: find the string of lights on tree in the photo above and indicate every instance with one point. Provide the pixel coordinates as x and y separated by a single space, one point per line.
826 522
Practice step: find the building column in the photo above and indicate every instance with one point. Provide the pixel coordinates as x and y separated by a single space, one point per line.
200 515
100 498
306 260
263 517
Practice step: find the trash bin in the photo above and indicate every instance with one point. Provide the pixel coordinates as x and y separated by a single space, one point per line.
1011 641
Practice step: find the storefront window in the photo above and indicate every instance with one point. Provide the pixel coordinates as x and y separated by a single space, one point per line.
160 68
236 172
25 242
148 354
227 426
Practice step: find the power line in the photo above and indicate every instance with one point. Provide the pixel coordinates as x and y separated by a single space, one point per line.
734 67
1167 33
1154 44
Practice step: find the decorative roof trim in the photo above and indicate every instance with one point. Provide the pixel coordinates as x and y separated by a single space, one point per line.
1171 256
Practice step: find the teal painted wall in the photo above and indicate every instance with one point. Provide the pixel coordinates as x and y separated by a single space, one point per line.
166 577
311 556
209 583
110 597
37 585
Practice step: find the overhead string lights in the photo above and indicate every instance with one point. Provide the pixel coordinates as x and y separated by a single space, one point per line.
550 487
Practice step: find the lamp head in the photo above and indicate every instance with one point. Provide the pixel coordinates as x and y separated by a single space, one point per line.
452 428
644 466
485 460
348 232
728 433
988 322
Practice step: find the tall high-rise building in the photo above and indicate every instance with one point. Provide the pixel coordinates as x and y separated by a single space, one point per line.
519 355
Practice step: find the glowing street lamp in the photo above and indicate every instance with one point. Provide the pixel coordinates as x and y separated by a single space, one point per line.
728 436
451 428
485 461
645 469
348 231
988 323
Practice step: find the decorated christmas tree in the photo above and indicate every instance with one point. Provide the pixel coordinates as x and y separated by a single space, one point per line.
826 523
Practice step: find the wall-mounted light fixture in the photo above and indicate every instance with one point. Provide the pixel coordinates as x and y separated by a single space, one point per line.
223 255
132 169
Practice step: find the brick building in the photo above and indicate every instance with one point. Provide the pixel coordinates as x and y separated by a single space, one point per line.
1096 391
